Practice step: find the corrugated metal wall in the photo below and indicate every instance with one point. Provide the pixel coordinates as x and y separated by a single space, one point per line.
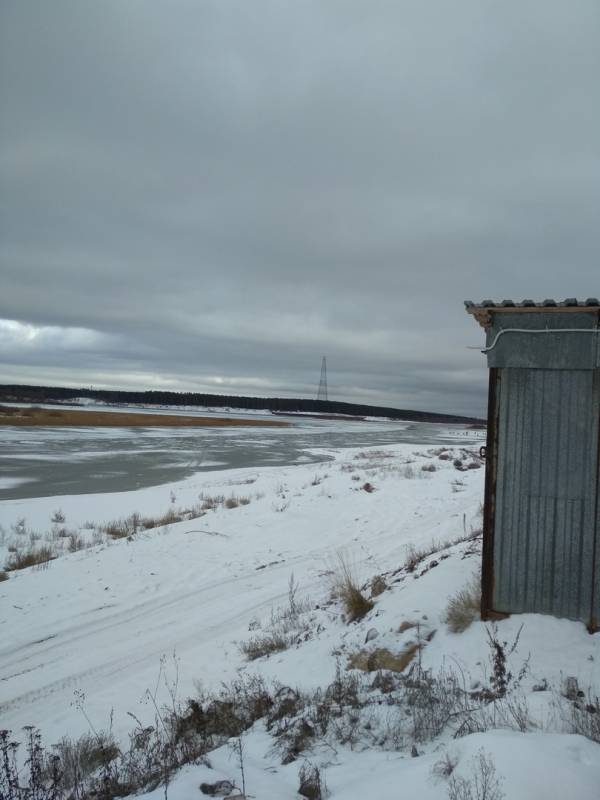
546 488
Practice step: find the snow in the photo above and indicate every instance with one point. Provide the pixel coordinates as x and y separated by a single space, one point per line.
529 767
170 607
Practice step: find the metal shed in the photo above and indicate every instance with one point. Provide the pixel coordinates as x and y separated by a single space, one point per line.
542 512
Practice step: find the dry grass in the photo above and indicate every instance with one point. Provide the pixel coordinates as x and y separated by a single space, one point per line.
415 555
127 527
118 529
22 559
373 455
265 644
170 517
119 419
131 525
211 502
382 658
82 757
312 785
347 590
75 543
378 585
464 607
3 575
286 626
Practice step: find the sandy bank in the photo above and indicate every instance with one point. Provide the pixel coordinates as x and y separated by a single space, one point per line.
34 416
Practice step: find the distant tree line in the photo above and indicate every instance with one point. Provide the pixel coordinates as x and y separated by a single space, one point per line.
49 394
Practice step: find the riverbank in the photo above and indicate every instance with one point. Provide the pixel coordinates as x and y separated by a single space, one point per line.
36 416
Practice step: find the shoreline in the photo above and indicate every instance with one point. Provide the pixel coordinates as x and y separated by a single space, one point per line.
44 417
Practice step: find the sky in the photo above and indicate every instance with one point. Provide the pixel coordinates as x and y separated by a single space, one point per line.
210 195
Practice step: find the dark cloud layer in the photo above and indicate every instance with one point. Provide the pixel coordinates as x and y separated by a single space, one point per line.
210 195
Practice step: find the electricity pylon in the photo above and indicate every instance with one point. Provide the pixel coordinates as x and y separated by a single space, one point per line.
322 392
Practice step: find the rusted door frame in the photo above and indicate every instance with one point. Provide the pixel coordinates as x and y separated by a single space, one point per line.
594 622
489 503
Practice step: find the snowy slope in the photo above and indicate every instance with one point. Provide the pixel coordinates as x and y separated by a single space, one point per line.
99 629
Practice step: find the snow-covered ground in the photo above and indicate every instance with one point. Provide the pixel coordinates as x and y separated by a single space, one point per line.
107 631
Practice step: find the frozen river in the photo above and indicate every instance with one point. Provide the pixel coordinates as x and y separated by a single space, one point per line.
43 462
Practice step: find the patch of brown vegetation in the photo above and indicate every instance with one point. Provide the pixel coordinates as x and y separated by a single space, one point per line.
406 626
29 558
382 658
378 585
464 607
118 419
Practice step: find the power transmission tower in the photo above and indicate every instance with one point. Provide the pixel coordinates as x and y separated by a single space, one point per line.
322 393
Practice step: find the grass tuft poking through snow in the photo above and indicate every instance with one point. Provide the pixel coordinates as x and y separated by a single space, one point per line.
312 785
378 585
287 626
464 607
347 590
33 557
265 644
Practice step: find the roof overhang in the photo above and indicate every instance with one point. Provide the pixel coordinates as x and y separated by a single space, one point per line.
484 311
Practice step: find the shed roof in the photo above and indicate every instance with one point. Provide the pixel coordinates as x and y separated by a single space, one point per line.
482 311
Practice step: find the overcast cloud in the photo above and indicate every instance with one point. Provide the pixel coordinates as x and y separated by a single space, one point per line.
210 195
